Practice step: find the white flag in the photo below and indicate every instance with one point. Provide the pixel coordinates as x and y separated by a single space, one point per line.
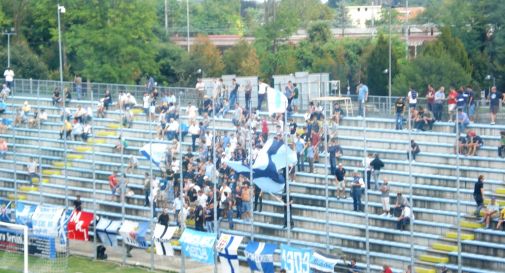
161 237
227 247
277 102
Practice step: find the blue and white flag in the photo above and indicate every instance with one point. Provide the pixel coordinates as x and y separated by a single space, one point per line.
295 260
46 220
198 245
320 263
134 233
24 213
161 237
260 256
5 211
108 231
274 156
277 102
154 152
227 247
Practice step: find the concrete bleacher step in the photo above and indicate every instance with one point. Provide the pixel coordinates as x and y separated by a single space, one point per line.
82 149
96 141
464 236
114 126
500 191
28 188
12 197
51 172
444 247
36 180
61 164
500 203
471 225
74 156
433 259
106 133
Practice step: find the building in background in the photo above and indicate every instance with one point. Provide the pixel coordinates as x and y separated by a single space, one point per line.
362 16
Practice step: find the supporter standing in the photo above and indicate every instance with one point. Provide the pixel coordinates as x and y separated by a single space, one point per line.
340 179
78 86
399 110
478 194
412 98
233 94
9 77
451 103
501 147
470 97
376 165
384 189
3 148
362 91
258 198
438 105
495 100
430 97
356 191
261 96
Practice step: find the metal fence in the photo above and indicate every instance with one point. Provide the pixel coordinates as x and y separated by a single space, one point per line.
96 90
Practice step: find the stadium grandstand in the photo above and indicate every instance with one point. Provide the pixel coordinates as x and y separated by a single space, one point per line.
128 153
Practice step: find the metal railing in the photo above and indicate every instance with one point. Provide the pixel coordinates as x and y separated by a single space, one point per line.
96 90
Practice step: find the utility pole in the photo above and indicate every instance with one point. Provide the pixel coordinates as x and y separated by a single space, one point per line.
9 33
166 18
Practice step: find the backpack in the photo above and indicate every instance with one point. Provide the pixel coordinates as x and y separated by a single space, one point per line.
413 94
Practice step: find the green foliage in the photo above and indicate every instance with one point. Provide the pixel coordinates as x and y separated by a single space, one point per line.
376 63
428 69
241 59
172 61
206 56
24 62
113 43
320 33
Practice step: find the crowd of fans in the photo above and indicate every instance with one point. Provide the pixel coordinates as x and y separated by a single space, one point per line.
205 175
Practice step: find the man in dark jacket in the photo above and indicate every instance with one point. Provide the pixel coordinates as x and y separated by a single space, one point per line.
376 165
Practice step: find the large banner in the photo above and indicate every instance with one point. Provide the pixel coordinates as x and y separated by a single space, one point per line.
41 246
295 260
46 220
78 225
5 210
161 237
24 213
134 233
227 247
108 231
260 256
321 263
198 245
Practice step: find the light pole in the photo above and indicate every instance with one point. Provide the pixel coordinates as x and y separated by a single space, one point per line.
407 13
389 53
187 24
9 33
61 9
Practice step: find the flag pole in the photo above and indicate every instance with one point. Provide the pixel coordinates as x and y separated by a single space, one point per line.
288 206
123 208
458 217
367 235
326 216
252 187
94 184
214 181
39 167
153 213
181 192
411 229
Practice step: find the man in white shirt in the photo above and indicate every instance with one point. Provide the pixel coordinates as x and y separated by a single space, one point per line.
261 96
32 168
405 218
490 210
9 77
192 111
202 199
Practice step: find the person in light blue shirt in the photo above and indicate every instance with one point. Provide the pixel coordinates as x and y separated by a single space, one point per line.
362 90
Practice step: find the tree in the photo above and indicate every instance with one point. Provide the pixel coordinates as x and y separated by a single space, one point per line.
206 56
114 43
320 33
428 69
375 64
25 63
241 59
172 61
